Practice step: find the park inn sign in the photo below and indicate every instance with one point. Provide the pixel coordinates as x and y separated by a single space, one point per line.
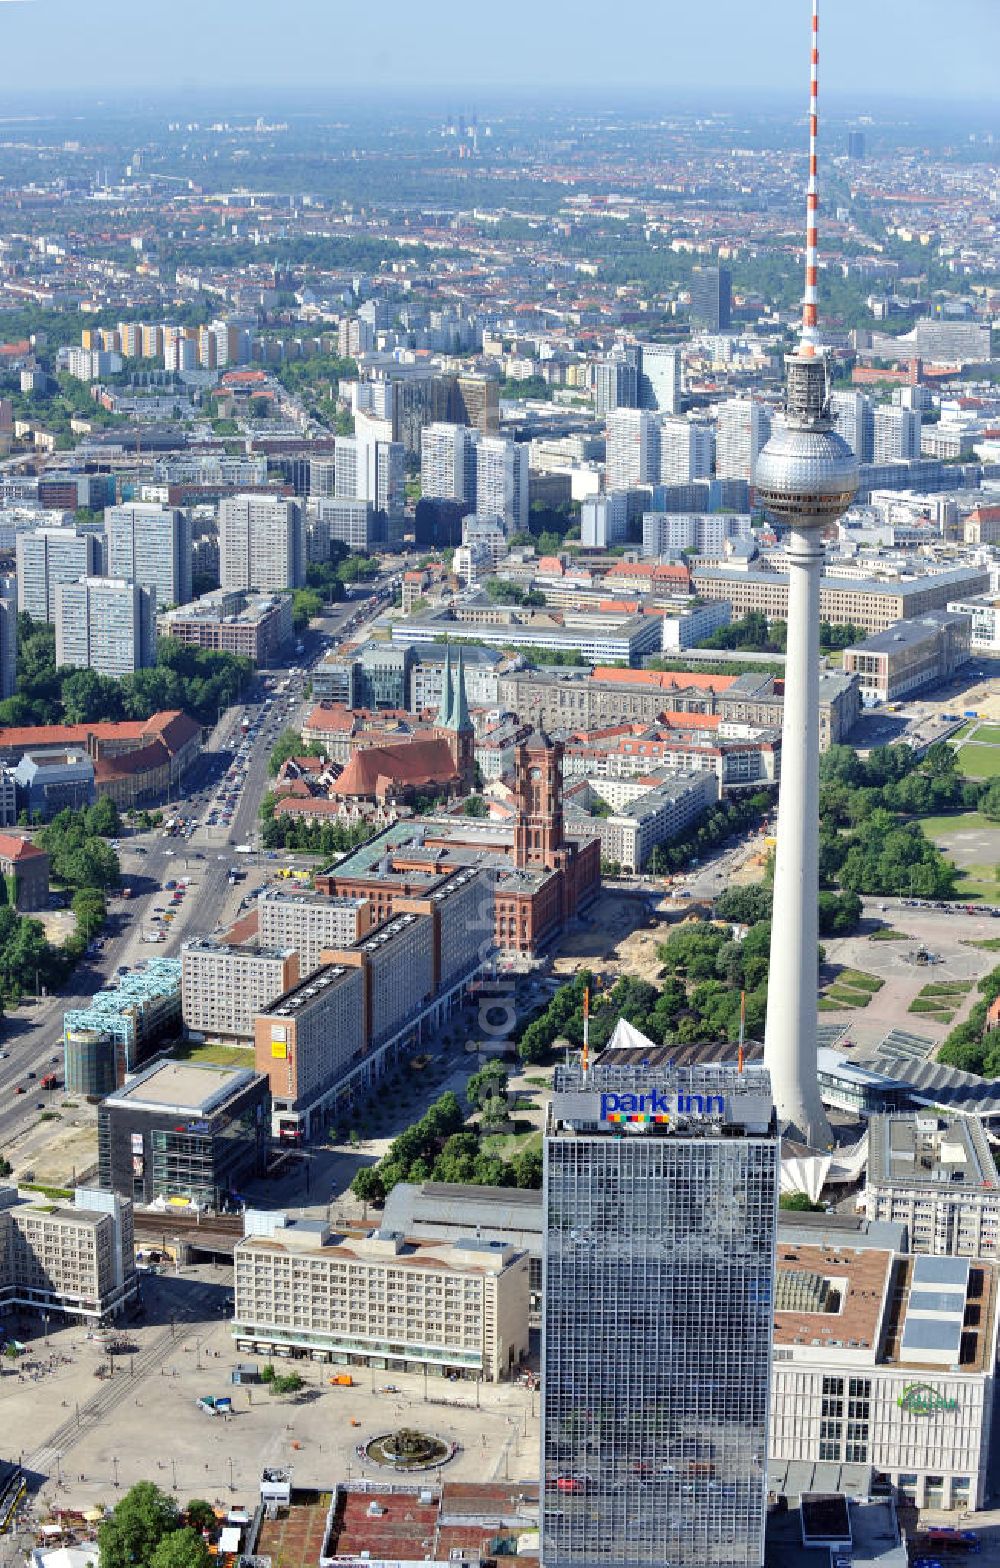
920 1399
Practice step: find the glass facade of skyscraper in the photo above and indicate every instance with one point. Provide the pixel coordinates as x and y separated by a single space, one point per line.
660 1220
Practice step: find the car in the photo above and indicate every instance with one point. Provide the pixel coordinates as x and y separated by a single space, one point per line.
19 1088
32 1075
53 1060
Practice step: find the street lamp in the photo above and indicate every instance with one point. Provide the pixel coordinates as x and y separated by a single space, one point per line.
114 1461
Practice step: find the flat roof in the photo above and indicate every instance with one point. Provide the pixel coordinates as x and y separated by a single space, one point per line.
182 1087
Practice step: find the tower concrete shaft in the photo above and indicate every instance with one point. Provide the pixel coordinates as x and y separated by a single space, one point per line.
790 1037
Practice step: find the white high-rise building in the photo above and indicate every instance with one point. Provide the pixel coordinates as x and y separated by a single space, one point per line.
262 543
50 556
633 456
687 450
151 545
660 378
369 466
105 624
448 462
502 481
854 418
743 429
897 434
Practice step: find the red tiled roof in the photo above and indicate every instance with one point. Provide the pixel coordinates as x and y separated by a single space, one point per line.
174 727
14 847
667 680
419 762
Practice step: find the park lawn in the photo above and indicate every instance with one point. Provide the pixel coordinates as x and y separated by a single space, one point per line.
858 980
988 944
947 988
216 1054
988 735
956 822
845 997
888 935
509 1144
928 1007
967 729
825 1005
979 762
979 882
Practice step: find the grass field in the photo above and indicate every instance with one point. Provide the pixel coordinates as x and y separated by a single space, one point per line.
978 882
979 762
957 822
217 1055
989 944
888 935
509 1144
988 735
849 988
858 980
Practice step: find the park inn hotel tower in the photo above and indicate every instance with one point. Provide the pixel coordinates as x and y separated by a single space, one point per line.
660 1213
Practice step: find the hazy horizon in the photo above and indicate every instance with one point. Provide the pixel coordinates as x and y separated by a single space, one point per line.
920 47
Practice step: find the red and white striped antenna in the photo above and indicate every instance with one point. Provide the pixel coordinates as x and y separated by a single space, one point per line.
810 304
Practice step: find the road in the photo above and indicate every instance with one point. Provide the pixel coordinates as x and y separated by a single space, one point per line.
32 1035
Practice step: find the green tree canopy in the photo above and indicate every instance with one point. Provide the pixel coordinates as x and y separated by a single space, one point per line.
130 1536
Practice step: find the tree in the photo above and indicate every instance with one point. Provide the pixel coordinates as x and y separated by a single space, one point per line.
184 1548
130 1536
200 1514
989 801
799 1202
490 1081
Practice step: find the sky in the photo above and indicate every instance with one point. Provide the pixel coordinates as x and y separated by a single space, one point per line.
869 48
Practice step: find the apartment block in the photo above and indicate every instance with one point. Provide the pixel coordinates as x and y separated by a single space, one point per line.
664 533
47 557
380 1300
743 427
151 545
306 1041
262 543
310 926
656 816
224 986
687 451
935 1175
105 624
77 1260
633 451
258 626
448 461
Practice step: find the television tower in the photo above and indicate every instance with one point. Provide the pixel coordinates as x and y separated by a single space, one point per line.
806 477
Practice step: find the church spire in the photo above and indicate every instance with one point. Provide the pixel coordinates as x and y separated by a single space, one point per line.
459 719
447 692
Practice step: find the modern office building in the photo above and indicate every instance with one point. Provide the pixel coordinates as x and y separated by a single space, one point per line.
8 647
855 145
107 624
75 1259
53 777
600 637
616 383
711 298
897 434
854 417
910 655
687 451
348 521
262 543
309 925
660 1195
380 1300
151 545
743 427
184 1130
224 986
256 626
50 556
137 1014
660 367
935 1175
886 1360
378 675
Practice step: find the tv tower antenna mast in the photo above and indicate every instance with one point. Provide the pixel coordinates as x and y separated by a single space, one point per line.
806 478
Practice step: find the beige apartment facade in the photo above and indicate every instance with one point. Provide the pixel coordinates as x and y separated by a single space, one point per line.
224 986
381 1300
